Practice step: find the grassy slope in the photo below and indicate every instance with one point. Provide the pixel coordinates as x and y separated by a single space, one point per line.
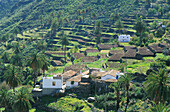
26 15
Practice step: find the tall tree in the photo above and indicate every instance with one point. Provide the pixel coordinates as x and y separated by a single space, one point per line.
119 25
97 32
45 63
116 87
125 82
35 61
12 76
22 100
157 86
140 27
64 42
17 60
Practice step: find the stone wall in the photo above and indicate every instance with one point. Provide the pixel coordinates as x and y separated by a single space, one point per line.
48 91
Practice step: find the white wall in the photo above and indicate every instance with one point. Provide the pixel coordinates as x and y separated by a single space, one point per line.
48 82
107 77
124 38
69 85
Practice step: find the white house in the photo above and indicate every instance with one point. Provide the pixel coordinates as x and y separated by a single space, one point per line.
124 38
52 84
113 74
73 82
118 75
163 26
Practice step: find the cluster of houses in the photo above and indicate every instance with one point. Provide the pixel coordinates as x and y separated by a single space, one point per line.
69 79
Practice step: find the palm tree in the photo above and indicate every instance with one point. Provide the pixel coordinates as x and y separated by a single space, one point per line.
157 86
35 61
125 82
17 60
46 63
22 100
64 42
97 32
12 76
116 87
140 27
119 25
5 98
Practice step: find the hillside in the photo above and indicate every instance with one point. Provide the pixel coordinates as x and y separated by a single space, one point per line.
27 13
84 55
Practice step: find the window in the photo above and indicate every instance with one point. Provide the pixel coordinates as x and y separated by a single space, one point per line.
53 83
72 82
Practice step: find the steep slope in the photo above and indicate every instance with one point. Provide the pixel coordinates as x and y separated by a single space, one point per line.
26 13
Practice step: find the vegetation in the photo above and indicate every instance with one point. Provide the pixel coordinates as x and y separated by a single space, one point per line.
40 37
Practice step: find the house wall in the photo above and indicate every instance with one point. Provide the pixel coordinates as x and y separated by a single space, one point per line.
48 83
48 91
69 85
107 77
124 38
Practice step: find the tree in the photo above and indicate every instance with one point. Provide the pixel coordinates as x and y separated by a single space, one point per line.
16 48
16 31
97 32
160 32
159 108
157 86
17 60
5 99
119 25
5 57
114 16
140 27
54 27
116 87
22 100
35 61
64 42
46 63
12 76
125 82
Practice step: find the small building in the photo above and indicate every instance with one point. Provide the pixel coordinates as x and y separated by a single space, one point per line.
69 74
163 26
113 74
105 75
75 81
124 38
52 84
